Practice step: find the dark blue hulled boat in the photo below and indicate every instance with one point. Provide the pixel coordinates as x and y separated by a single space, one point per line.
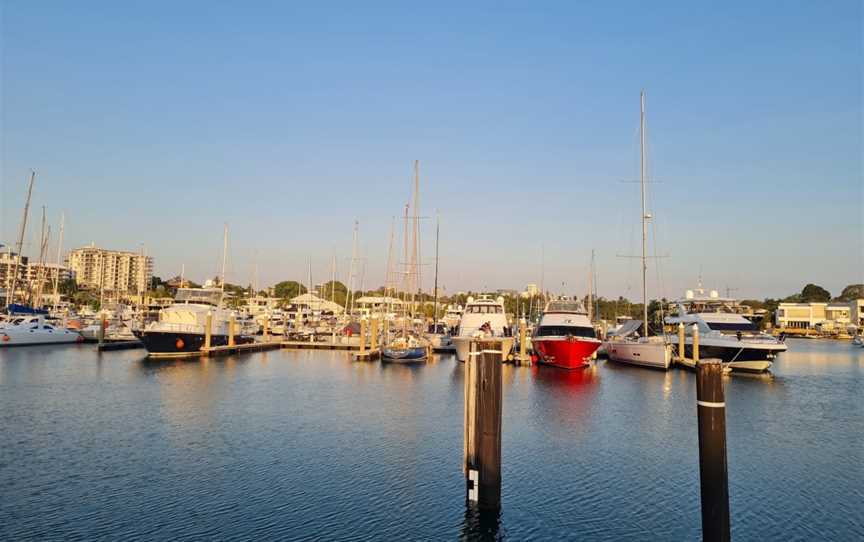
405 350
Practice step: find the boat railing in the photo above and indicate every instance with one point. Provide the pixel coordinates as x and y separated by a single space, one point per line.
470 331
177 328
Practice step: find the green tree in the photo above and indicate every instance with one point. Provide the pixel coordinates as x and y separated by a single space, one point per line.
336 290
67 287
288 289
812 293
852 292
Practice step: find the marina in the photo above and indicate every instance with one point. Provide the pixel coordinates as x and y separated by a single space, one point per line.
475 271
288 441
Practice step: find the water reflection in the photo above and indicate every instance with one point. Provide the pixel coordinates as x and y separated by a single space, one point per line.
582 380
310 444
481 525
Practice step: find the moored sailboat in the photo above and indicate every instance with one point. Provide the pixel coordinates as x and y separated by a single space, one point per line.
408 346
626 346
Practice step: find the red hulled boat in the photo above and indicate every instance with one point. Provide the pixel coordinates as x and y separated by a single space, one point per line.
565 337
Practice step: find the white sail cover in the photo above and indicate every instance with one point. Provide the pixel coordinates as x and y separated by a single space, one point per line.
627 328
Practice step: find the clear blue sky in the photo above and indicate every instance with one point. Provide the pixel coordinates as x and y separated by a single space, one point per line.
155 122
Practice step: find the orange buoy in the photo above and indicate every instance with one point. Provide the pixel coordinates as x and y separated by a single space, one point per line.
179 344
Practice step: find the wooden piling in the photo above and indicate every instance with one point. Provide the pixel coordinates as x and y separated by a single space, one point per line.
362 336
231 323
103 323
682 353
208 330
374 335
713 475
523 340
695 343
267 328
482 431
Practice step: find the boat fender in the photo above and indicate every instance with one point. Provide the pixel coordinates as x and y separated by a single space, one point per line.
179 343
5 338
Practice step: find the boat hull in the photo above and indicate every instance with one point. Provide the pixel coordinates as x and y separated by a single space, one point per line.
564 352
405 355
161 344
738 358
655 355
23 337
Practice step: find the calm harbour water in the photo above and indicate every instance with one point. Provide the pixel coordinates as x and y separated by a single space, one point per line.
309 445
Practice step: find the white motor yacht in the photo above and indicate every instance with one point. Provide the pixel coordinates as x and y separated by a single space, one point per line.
32 330
180 329
483 317
724 332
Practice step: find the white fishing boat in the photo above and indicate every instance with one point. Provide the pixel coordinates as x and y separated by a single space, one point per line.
626 345
33 330
483 318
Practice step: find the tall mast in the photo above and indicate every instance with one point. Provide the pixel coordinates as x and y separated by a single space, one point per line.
437 233
591 288
644 212
59 250
415 248
349 302
406 283
10 295
142 271
388 273
182 273
309 289
224 258
333 279
36 296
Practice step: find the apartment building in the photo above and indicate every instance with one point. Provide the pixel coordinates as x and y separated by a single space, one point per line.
118 273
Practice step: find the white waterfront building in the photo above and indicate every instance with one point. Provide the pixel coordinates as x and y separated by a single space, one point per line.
118 273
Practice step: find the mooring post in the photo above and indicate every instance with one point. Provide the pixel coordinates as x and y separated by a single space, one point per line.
523 347
231 330
713 475
695 343
103 323
373 340
362 336
208 330
681 352
267 328
482 436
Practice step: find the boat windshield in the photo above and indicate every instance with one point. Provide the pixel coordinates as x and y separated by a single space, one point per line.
733 326
562 331
484 309
199 296
563 306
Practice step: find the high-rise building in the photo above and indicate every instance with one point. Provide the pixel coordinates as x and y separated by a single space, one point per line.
29 272
116 272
